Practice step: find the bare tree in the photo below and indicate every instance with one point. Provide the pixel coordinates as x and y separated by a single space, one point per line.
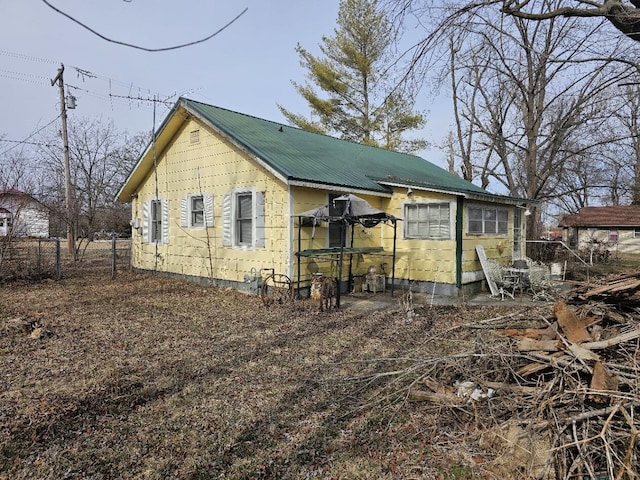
101 157
623 16
523 92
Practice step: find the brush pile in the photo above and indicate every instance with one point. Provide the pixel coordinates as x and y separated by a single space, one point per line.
554 393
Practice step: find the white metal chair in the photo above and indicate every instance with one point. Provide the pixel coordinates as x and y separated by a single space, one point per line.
540 284
507 284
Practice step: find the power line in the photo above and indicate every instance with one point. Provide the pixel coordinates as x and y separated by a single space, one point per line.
23 56
23 77
23 142
82 73
146 49
28 137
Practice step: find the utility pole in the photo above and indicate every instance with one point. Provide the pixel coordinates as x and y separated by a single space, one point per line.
67 170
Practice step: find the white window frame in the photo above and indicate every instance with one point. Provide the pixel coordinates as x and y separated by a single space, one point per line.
231 229
238 221
155 230
427 205
155 221
488 222
187 211
196 222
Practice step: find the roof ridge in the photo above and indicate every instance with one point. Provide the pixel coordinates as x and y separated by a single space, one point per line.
293 127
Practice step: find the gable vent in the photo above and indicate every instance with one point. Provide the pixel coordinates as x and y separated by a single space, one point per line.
194 136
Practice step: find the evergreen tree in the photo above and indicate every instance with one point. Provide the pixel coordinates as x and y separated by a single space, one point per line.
356 72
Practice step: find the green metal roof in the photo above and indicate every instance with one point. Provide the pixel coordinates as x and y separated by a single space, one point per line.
298 155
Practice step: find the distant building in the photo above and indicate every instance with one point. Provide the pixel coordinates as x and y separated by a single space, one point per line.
615 226
21 215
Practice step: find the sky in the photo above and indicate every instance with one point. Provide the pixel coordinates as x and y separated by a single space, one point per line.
248 67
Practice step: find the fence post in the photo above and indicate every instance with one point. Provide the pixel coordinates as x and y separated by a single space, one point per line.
39 259
113 258
58 266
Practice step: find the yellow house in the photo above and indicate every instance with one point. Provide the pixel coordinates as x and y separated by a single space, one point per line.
216 198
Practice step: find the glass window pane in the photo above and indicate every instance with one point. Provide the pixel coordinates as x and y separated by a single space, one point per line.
245 232
244 206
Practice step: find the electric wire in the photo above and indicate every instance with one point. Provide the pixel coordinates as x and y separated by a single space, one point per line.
108 89
25 140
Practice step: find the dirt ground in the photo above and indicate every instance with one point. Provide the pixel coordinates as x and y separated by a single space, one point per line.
145 377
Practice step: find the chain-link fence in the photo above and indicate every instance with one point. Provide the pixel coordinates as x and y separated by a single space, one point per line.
31 259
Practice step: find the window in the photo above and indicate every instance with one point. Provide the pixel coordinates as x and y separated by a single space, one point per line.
194 136
156 221
197 211
487 220
636 232
613 235
244 219
427 221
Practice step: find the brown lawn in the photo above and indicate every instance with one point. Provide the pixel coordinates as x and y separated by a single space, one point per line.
145 377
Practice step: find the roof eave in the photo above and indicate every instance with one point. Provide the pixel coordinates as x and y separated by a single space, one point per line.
490 197
145 161
338 188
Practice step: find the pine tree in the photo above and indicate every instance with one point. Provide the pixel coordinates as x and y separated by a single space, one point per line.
363 101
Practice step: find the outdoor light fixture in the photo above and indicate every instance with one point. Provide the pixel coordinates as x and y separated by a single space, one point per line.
409 191
527 212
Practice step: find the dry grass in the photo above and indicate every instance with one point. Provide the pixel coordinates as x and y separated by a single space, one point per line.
147 377
144 377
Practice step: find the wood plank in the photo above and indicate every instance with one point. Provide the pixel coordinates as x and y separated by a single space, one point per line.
616 286
569 323
602 381
487 272
531 345
625 337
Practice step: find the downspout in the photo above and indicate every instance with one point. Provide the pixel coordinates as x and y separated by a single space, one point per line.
459 230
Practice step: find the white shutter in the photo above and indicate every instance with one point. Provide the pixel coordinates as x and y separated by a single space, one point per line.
208 209
184 212
226 220
165 221
146 207
260 220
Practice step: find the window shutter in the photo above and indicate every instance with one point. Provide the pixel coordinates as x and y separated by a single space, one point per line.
226 220
145 222
260 221
184 212
208 209
165 221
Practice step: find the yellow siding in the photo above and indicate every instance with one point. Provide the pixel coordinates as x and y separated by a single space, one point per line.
212 166
416 260
309 199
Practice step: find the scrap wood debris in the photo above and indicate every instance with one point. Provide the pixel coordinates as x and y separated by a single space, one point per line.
620 288
558 395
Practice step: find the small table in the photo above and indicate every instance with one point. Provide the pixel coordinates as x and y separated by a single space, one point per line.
519 275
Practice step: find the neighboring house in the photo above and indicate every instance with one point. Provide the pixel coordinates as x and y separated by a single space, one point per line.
616 227
216 197
21 215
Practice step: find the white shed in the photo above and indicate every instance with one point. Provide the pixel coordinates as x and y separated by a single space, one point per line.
21 215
